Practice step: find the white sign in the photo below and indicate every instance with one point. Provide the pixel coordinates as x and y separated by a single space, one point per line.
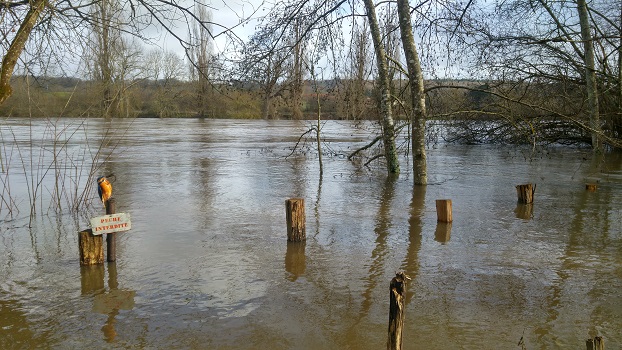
111 223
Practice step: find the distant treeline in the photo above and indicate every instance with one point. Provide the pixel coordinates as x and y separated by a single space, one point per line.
73 97
512 113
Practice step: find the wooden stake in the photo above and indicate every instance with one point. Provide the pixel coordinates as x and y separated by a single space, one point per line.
295 213
111 242
598 343
590 187
525 193
91 248
397 294
443 210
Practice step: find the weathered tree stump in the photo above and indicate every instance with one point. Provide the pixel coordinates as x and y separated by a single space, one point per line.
296 220
443 210
397 294
525 193
91 248
590 187
597 343
111 242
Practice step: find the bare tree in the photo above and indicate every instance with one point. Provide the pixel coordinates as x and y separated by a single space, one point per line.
64 23
417 95
388 132
357 73
166 69
296 71
202 58
590 74
26 24
548 62
265 66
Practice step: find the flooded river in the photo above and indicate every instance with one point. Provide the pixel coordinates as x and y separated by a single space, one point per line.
206 264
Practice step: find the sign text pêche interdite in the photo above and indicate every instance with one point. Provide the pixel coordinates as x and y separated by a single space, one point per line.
111 223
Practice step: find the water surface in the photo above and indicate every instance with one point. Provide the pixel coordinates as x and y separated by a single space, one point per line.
207 266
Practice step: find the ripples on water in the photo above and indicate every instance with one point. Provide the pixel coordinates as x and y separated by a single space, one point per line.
207 265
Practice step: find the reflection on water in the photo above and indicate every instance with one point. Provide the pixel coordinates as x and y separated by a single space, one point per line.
443 232
92 279
295 259
207 263
524 211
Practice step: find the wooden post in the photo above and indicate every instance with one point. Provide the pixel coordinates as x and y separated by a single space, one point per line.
525 193
598 343
91 248
443 210
397 294
295 213
590 187
111 242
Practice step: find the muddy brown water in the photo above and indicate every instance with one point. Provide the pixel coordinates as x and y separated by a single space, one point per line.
207 266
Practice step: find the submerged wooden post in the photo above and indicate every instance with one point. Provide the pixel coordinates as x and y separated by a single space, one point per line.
295 213
397 294
590 187
443 210
525 193
598 343
91 248
111 242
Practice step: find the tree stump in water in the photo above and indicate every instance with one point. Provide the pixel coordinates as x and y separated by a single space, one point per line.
443 210
598 343
590 187
295 213
525 193
91 248
397 290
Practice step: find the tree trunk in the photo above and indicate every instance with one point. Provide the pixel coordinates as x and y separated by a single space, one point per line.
590 75
296 88
388 131
17 46
105 58
618 123
417 96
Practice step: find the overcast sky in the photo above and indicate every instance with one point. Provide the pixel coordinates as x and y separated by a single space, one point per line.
238 16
